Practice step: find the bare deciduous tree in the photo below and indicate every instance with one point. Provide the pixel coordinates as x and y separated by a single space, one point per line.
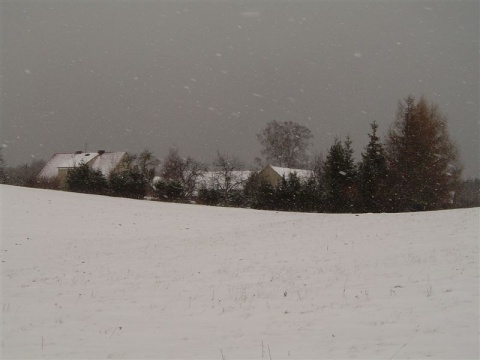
185 171
25 175
128 162
228 176
147 163
286 143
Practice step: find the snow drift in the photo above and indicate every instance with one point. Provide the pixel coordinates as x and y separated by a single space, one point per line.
87 276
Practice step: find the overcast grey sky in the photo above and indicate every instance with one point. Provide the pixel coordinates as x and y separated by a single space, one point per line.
208 75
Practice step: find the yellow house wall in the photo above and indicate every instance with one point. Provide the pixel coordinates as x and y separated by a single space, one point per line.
63 172
62 176
270 176
121 166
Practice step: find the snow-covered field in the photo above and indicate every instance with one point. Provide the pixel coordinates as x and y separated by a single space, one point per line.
88 276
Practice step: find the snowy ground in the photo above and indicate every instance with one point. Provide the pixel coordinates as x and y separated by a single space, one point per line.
88 276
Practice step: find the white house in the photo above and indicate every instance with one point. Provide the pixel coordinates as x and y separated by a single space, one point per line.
60 163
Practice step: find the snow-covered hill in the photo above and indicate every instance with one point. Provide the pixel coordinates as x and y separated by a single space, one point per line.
88 276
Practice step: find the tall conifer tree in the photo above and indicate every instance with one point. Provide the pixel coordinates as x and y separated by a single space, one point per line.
372 174
339 175
424 170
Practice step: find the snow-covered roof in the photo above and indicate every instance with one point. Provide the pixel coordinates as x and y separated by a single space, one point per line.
107 161
104 162
65 161
212 178
301 173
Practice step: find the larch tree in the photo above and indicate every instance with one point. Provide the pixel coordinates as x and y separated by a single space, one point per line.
424 169
286 144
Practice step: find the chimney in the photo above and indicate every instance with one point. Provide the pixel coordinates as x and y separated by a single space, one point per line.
100 152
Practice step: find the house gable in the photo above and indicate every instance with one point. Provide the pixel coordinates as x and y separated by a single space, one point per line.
107 162
273 174
65 161
60 163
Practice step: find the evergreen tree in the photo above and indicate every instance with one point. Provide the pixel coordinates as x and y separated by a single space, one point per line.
372 174
212 197
468 194
339 177
311 196
265 197
288 193
129 183
136 169
250 190
424 170
169 190
3 172
86 180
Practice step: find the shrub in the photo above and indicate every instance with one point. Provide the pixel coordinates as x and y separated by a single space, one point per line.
83 179
209 196
169 190
128 183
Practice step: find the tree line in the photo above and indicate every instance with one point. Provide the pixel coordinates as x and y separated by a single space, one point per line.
416 167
